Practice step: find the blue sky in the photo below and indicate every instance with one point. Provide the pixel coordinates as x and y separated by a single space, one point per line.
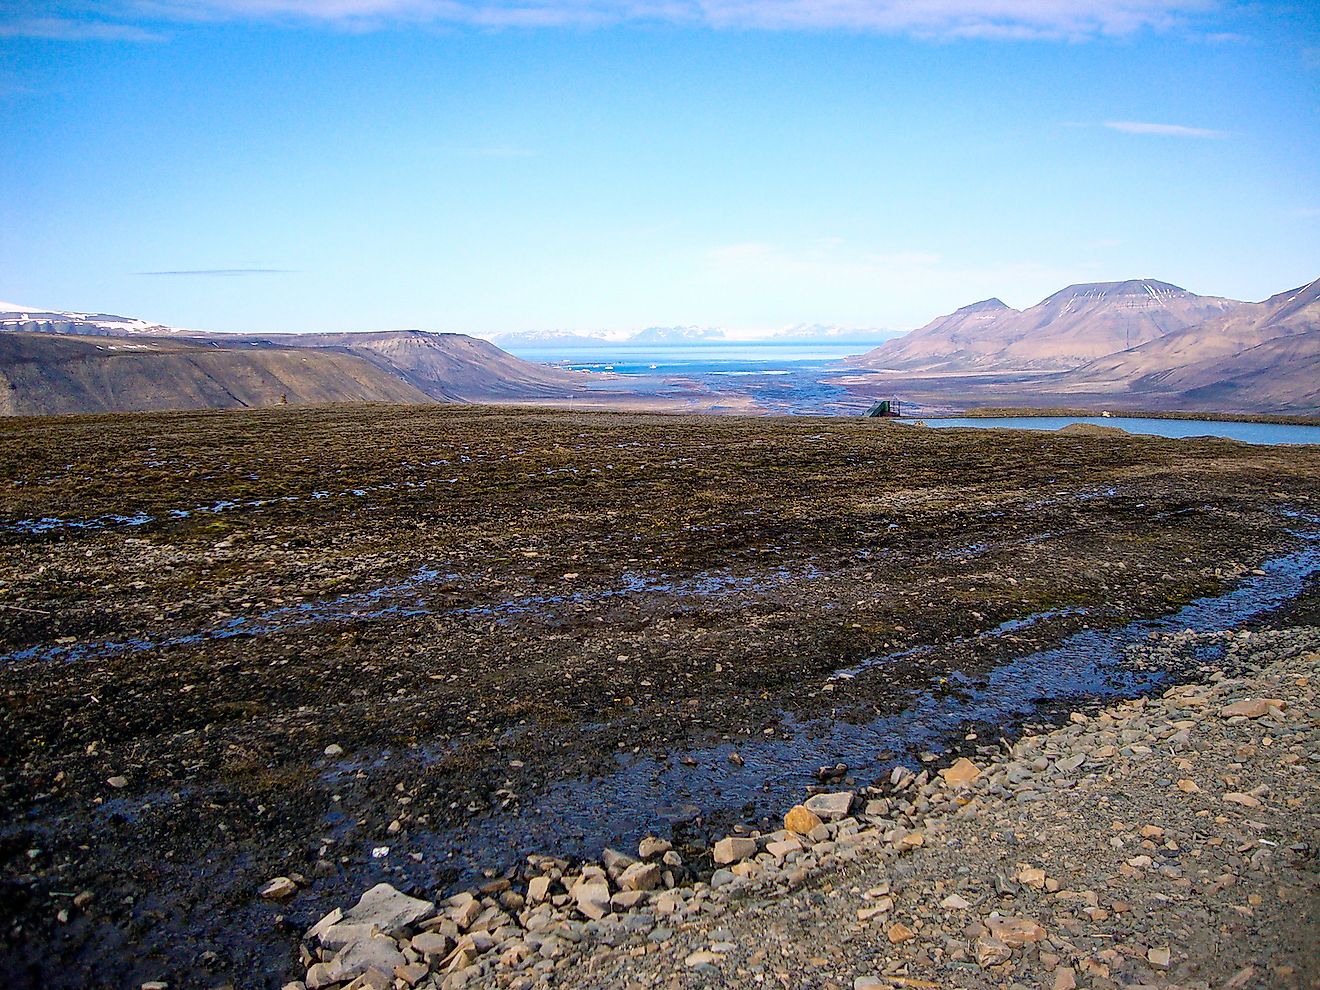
494 165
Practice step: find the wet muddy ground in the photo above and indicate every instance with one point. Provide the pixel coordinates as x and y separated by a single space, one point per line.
535 631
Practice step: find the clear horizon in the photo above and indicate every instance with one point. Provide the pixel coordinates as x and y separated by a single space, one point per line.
486 167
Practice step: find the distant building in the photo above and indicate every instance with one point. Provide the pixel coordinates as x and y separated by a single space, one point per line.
887 408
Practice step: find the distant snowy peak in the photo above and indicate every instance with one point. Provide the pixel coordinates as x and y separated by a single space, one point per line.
807 332
676 335
548 338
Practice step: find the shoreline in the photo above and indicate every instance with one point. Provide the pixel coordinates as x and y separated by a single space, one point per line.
1026 412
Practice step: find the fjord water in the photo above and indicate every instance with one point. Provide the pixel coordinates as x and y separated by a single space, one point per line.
783 378
1262 433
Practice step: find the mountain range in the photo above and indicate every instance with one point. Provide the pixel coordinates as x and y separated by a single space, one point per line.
56 362
1139 343
1073 326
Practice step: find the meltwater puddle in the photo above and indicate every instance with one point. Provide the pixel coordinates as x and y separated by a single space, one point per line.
44 525
409 598
703 790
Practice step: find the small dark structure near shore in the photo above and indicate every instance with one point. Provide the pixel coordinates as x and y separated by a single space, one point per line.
885 408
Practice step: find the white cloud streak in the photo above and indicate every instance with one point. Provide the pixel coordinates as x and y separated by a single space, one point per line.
69 29
1073 20
1164 130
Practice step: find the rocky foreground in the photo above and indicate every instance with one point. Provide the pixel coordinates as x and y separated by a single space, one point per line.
1165 842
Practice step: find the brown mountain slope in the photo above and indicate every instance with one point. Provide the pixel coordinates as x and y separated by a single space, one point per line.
964 335
1075 325
446 366
43 373
1282 375
442 366
1290 313
1260 355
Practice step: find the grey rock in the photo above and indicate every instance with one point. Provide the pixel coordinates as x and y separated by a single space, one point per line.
389 909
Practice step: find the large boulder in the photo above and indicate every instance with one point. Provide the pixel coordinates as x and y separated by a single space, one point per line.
388 909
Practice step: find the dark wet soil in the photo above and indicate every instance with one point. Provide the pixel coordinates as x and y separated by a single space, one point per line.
486 607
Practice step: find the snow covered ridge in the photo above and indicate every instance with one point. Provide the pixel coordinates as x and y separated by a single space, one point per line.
58 321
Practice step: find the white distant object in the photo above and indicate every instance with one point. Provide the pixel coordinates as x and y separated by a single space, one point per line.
1105 413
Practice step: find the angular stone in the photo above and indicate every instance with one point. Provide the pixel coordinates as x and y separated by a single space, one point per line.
356 958
592 899
747 868
616 862
1015 932
640 876
801 820
1246 800
413 973
1252 707
955 903
278 889
830 807
464 910
1159 958
432 946
880 908
1071 763
626 900
335 937
780 850
538 889
388 909
962 773
1188 786
990 951
1065 978
913 840
651 847
733 849
332 918
899 932
318 975
1033 877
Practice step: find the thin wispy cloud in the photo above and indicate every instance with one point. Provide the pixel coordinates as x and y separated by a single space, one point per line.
223 272
1073 20
70 29
1164 130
